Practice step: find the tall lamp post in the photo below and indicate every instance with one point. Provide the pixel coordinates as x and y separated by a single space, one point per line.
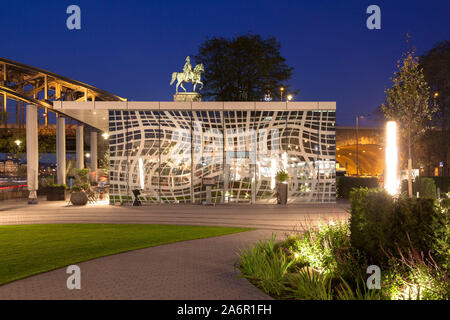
281 91
441 164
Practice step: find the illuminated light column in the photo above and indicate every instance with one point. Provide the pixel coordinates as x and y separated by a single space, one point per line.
94 155
80 147
32 152
60 150
391 182
141 173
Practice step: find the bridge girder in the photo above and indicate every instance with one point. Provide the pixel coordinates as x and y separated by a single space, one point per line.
31 85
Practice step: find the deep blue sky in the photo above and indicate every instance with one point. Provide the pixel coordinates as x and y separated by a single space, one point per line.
130 48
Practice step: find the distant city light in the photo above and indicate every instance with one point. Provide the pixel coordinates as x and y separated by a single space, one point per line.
392 181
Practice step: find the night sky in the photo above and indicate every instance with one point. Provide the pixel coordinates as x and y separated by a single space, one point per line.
130 48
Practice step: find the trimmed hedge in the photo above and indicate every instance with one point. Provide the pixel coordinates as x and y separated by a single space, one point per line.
381 224
424 185
345 184
443 183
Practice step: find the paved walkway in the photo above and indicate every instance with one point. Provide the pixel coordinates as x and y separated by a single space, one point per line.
267 217
196 269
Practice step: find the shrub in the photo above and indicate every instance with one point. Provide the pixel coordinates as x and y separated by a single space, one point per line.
266 266
58 186
327 249
415 276
308 284
441 234
380 224
81 180
322 264
443 183
346 292
317 247
426 187
346 184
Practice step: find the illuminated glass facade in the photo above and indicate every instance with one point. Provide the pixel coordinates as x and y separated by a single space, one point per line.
221 156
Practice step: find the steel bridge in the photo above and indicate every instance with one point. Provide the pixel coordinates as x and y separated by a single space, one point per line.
25 84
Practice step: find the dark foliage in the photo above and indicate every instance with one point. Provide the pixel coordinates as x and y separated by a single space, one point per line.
345 184
243 68
381 225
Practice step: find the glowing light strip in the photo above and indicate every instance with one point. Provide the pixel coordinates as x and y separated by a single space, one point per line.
273 172
392 181
141 173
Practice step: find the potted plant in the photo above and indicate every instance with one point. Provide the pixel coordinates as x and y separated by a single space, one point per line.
78 196
53 191
56 192
282 187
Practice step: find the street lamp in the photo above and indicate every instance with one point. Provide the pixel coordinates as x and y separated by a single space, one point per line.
289 97
281 91
18 142
105 135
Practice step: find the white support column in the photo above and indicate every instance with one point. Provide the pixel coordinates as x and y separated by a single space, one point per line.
80 147
94 155
60 150
32 152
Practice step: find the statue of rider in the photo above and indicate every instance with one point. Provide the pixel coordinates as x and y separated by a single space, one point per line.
187 69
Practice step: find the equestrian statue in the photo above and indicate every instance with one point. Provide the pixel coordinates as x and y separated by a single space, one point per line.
188 75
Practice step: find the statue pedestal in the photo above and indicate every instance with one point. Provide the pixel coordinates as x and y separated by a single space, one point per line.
187 96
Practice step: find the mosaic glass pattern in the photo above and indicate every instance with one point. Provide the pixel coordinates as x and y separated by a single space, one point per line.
180 156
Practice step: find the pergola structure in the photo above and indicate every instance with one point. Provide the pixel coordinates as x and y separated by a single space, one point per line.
37 88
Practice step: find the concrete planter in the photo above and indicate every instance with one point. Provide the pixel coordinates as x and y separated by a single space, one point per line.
56 194
282 193
78 198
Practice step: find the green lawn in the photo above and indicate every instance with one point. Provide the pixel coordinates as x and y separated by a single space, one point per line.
30 249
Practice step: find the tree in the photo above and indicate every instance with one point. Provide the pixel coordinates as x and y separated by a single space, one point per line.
436 68
408 103
243 68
